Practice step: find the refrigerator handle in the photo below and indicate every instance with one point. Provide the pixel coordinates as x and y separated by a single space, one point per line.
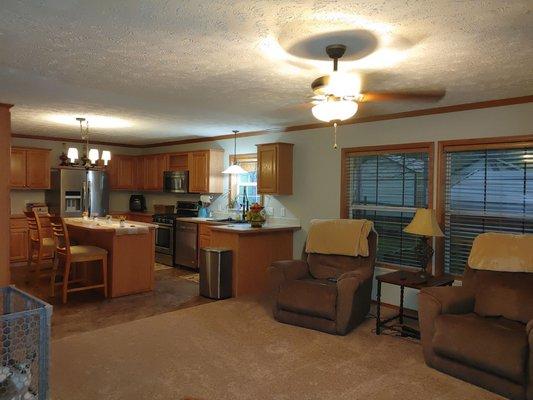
89 197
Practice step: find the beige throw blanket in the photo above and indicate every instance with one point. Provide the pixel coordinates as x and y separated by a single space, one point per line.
348 237
504 252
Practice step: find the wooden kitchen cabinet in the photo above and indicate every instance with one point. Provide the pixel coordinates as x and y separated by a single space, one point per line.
122 172
274 168
30 168
154 166
205 171
18 245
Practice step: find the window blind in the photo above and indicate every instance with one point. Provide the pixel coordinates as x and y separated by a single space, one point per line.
486 190
387 189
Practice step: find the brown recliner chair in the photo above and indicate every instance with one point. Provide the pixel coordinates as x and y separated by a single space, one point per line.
304 296
482 332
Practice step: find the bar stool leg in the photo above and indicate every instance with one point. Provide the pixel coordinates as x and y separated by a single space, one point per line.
65 282
104 274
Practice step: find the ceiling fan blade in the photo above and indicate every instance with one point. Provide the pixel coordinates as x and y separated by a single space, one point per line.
430 95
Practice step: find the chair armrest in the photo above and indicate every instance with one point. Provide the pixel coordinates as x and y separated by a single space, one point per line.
281 271
435 301
449 299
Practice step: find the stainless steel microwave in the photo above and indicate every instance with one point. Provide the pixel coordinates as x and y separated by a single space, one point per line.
176 181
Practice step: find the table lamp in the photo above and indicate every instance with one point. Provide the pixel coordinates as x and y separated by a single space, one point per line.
424 224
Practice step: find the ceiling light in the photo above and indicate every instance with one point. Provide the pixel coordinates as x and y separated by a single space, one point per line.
72 154
235 169
341 84
94 155
106 156
334 110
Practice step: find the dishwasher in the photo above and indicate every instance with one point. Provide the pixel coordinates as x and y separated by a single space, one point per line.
185 245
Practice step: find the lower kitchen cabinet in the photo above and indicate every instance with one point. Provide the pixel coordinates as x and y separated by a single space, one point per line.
18 245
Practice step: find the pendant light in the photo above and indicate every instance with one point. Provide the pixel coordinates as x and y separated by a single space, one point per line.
235 169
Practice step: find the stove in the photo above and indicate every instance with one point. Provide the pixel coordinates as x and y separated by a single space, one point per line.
166 232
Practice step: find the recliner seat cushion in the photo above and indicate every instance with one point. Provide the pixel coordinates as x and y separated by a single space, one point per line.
504 294
494 345
314 297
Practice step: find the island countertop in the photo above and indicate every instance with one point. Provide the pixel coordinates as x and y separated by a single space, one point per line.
247 229
130 227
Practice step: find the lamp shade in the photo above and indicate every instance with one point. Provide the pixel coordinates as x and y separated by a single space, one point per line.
424 223
334 110
235 170
106 156
72 154
94 155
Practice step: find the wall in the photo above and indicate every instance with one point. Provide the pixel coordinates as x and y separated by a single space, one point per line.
317 167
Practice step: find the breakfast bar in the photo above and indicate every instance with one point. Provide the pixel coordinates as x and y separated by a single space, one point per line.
130 247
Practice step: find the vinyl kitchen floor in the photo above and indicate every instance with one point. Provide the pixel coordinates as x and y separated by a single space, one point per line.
86 311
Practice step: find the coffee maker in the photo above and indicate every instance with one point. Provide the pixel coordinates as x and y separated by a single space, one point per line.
137 203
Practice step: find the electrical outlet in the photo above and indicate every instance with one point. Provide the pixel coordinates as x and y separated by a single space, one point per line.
282 212
269 210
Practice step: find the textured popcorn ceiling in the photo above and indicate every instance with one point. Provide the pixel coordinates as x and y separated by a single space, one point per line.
181 69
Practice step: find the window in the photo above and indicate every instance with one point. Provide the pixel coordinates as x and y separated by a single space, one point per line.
386 185
248 182
486 188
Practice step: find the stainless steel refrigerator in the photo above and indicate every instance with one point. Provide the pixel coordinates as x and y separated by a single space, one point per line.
74 190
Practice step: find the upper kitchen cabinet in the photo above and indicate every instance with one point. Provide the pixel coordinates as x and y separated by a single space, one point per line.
274 168
30 168
122 170
205 171
178 162
154 166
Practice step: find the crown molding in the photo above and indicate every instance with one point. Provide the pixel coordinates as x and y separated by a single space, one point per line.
318 125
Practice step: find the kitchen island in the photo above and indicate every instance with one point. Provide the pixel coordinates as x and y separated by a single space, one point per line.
254 249
131 252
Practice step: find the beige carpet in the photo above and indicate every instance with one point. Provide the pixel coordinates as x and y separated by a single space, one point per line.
233 349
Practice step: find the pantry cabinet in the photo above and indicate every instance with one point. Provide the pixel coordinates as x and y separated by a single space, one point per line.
30 168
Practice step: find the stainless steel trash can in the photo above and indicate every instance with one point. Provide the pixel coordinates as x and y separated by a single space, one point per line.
215 272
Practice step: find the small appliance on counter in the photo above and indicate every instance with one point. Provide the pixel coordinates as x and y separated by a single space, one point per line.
137 203
203 206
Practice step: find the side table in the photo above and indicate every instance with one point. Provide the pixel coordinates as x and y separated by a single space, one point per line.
411 280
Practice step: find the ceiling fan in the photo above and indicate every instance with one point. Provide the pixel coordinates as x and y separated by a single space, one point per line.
337 96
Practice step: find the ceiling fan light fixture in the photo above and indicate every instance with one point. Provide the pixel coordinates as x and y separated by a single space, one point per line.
334 110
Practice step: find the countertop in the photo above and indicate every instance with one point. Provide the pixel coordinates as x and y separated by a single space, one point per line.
147 213
198 220
102 225
241 228
247 229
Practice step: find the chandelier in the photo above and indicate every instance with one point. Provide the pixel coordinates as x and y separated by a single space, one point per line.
90 156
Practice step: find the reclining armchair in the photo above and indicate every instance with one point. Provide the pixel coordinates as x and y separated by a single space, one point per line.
482 331
326 292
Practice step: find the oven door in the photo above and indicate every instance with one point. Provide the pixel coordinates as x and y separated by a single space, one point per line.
164 238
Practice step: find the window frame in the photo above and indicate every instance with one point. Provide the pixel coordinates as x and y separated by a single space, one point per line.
458 145
248 157
403 148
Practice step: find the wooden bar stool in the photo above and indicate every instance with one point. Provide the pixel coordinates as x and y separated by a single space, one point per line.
74 254
39 246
